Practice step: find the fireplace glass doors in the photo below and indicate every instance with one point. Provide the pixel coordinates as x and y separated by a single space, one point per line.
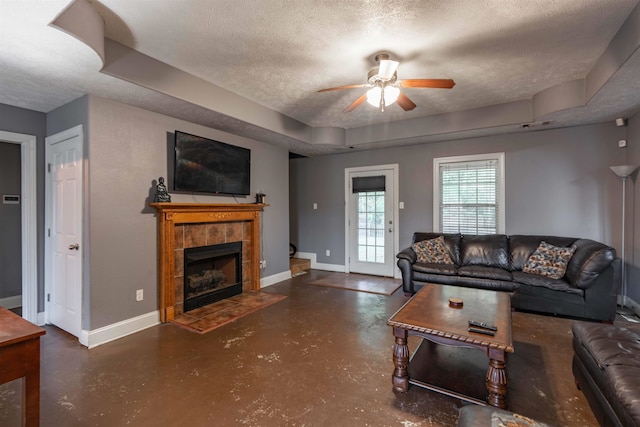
212 273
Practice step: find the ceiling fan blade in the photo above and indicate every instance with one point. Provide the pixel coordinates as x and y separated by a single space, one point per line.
355 103
341 87
429 83
404 102
387 68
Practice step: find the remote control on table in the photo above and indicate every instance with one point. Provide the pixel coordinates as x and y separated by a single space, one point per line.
482 325
482 331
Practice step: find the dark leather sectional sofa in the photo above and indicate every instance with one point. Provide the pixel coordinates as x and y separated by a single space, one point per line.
587 290
606 367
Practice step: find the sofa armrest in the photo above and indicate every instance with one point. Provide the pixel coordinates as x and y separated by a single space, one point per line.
408 254
588 262
406 259
601 296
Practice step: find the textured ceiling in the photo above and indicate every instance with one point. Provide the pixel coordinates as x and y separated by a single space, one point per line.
278 54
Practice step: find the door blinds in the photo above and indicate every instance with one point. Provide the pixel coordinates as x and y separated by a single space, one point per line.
363 184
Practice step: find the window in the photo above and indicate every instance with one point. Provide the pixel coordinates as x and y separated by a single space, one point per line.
370 191
469 194
371 226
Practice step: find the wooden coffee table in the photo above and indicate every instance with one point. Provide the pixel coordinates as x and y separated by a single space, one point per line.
429 315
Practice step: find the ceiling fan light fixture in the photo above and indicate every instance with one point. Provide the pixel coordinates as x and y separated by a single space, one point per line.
384 86
391 94
387 69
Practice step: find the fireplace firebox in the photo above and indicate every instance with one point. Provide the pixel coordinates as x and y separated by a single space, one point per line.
212 273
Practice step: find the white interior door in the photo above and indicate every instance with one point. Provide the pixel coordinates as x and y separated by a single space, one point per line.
64 230
371 223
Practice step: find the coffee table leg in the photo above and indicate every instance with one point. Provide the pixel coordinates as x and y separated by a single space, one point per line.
497 384
400 377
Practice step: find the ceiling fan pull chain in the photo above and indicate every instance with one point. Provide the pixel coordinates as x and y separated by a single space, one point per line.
382 98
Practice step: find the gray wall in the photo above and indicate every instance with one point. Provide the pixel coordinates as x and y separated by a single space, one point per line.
558 182
633 209
127 152
10 222
20 120
124 154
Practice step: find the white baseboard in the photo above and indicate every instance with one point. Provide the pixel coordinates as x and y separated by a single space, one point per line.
275 278
334 267
11 302
312 256
320 266
329 267
112 332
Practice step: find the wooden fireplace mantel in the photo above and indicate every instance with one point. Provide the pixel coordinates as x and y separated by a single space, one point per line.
170 214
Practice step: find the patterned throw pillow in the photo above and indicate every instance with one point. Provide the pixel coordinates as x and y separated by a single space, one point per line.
432 251
499 419
548 260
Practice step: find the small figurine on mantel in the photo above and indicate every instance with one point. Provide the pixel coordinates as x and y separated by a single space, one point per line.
162 194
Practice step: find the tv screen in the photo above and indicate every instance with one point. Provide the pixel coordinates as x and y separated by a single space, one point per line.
206 166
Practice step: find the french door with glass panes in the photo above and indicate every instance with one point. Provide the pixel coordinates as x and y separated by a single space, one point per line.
371 223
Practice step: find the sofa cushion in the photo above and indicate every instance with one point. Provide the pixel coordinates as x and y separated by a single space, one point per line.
470 282
589 260
625 385
610 344
487 250
615 349
545 282
549 260
521 247
485 416
433 268
484 272
451 241
432 251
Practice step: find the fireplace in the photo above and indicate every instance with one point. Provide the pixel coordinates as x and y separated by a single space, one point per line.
188 225
212 273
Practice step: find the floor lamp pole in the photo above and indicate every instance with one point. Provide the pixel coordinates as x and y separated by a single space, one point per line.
624 264
623 172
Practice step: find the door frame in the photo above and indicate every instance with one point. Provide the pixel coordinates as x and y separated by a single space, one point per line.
29 227
50 140
396 211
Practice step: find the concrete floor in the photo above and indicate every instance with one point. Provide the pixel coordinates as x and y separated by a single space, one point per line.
321 357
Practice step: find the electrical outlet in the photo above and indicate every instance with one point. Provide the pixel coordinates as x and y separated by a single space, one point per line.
139 295
328 252
263 264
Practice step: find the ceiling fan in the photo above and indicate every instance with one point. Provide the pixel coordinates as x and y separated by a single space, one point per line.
385 86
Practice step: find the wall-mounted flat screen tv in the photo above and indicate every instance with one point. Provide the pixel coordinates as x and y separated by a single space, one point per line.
207 166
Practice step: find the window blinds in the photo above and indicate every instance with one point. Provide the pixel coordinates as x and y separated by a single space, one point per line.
469 197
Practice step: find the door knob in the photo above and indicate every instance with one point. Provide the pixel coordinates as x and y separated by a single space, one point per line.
390 230
74 247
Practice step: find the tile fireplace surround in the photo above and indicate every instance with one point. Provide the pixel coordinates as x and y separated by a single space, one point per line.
188 225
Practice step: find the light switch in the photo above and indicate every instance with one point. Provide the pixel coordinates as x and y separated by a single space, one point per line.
401 205
315 206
